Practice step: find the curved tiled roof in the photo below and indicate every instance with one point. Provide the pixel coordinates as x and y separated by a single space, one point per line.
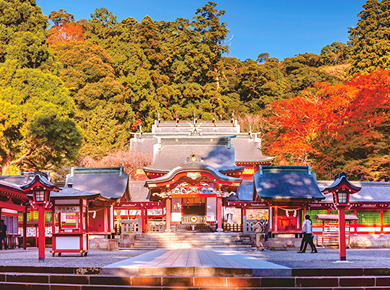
109 183
287 182
188 167
370 191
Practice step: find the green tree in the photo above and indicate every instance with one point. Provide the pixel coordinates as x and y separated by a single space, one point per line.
166 67
37 130
61 17
334 54
369 41
90 76
211 35
23 35
303 71
36 126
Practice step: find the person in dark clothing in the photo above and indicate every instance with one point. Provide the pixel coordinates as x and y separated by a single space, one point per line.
307 230
3 235
265 230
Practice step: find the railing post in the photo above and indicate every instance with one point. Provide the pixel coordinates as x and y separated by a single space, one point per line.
245 228
139 225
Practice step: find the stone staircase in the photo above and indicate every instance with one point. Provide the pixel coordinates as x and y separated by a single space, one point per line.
190 240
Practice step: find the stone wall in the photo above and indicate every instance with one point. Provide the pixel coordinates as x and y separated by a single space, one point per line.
281 243
102 243
370 241
127 240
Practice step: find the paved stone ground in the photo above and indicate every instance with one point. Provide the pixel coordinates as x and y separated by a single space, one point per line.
325 258
95 258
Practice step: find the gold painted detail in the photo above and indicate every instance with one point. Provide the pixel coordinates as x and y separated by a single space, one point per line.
193 175
249 171
189 219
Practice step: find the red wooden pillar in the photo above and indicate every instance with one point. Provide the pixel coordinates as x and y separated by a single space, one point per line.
105 221
168 204
381 221
146 220
342 246
25 228
143 220
243 213
219 214
41 230
304 214
276 219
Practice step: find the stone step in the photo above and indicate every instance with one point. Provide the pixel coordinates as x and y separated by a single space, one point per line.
22 286
192 240
184 245
194 236
184 242
181 242
188 240
382 274
200 235
23 281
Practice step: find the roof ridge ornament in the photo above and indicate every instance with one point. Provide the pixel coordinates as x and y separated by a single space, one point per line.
193 159
195 129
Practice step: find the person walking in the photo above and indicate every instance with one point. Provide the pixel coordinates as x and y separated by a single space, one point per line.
259 230
265 230
307 230
3 235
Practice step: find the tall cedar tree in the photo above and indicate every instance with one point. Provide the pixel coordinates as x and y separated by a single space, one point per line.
369 41
102 111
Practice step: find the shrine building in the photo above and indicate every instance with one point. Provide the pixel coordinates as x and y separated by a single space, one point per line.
206 176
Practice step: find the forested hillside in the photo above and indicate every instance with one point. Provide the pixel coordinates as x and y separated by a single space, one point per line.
101 78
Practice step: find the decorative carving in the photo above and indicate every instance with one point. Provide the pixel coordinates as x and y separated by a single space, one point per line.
194 175
227 194
162 194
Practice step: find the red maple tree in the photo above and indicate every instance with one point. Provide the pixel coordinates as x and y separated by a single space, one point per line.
359 142
335 128
65 33
295 122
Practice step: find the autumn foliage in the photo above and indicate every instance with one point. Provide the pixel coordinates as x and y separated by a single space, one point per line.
335 127
359 143
295 123
66 33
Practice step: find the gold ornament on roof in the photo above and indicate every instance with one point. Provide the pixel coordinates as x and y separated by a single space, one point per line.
193 175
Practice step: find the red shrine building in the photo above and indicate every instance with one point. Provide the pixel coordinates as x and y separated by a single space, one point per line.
208 176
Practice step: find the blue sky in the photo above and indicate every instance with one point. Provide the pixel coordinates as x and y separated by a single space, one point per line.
283 28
